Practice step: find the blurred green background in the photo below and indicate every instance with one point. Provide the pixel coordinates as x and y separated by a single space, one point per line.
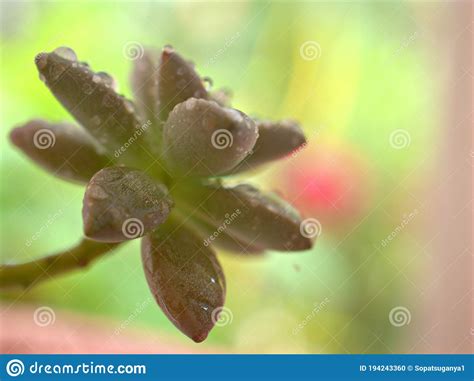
370 74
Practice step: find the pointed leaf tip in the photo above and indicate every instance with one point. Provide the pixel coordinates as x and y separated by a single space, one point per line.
91 99
184 277
275 140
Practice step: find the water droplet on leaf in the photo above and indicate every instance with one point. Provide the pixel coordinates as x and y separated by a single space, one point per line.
66 53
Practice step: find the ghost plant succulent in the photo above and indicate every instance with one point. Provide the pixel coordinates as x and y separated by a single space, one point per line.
152 170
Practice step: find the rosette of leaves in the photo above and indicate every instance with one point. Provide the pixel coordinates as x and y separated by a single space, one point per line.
153 169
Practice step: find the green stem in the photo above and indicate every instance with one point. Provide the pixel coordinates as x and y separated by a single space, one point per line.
29 274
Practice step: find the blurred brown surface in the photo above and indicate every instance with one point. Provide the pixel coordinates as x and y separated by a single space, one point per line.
72 333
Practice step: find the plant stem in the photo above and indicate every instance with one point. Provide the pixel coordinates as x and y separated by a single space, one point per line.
29 274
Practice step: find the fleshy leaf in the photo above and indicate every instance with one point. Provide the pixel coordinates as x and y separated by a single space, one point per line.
122 203
204 139
177 82
263 221
90 98
185 278
275 140
63 149
221 237
145 83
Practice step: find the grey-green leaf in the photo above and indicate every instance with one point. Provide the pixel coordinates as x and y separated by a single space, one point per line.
221 237
65 150
144 81
276 140
265 221
177 82
91 99
203 139
123 203
185 278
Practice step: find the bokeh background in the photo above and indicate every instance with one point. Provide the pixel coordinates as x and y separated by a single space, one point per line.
384 94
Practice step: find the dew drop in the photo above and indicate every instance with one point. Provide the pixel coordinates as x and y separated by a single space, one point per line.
96 78
168 48
207 83
190 104
129 106
97 192
107 79
66 53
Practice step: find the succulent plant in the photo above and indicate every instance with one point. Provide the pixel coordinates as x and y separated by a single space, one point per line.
153 168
